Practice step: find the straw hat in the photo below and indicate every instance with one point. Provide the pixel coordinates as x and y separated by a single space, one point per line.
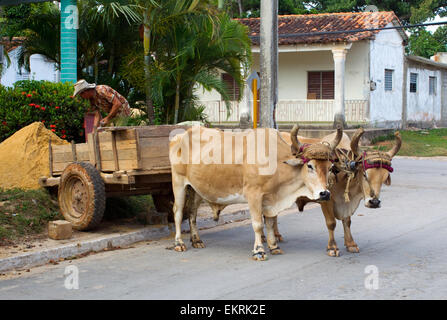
82 85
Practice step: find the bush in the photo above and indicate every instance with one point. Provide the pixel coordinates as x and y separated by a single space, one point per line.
51 103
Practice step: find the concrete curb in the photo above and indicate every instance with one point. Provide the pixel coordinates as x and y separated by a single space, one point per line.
37 258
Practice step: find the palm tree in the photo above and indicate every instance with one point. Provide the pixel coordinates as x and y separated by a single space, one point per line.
159 17
41 35
197 52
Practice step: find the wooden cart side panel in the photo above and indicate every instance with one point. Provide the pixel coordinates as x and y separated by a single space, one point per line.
126 150
137 148
154 146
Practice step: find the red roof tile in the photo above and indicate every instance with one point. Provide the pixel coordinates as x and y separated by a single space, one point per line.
11 44
326 22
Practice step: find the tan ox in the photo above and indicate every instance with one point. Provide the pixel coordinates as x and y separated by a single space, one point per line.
369 169
300 172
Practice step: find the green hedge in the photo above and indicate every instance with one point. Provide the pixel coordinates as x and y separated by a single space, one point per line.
51 103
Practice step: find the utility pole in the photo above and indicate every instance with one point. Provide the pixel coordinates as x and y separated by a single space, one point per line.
220 4
269 62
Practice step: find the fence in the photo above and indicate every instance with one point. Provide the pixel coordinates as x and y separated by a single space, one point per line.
292 110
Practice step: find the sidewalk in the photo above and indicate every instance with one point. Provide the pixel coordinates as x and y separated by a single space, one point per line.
108 236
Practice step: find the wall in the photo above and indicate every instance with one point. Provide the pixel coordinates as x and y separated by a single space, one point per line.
40 69
421 106
386 52
293 67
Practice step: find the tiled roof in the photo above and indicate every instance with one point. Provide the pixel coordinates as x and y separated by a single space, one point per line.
11 44
326 22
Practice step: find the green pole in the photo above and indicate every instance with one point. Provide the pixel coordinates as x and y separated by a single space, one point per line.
69 26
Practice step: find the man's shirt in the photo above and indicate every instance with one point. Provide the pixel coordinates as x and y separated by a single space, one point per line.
104 100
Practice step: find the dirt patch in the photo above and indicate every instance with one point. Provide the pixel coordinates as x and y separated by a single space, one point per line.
24 157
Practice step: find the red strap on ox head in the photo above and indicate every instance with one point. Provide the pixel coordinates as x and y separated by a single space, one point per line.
367 165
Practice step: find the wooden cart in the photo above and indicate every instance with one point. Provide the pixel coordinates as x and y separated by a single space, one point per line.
116 161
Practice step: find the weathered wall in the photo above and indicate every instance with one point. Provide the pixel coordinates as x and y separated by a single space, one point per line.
444 99
386 52
422 106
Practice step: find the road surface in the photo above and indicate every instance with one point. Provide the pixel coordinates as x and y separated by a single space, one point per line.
402 256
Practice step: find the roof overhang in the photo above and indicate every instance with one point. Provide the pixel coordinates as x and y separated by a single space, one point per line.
426 61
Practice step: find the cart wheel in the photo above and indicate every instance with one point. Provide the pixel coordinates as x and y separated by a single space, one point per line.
82 196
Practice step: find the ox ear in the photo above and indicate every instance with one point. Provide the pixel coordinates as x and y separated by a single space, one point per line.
388 180
294 162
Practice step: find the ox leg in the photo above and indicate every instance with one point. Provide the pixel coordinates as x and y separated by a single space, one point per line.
256 221
278 236
350 244
328 211
271 239
180 197
195 238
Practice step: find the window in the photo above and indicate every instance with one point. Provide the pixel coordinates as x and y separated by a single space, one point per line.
413 82
389 79
432 85
233 89
320 85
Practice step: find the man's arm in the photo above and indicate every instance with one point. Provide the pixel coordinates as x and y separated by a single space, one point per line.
97 119
113 112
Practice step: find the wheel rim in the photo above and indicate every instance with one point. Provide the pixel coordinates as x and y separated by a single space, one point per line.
76 198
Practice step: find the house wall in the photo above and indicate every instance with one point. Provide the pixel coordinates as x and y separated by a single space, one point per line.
293 68
386 52
444 99
421 106
40 69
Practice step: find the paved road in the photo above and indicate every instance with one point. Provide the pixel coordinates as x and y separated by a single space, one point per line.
405 240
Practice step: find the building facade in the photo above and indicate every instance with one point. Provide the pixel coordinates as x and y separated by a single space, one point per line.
360 73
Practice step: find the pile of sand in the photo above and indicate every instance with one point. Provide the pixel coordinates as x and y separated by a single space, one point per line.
24 157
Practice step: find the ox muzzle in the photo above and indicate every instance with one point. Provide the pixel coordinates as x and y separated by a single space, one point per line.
373 203
325 196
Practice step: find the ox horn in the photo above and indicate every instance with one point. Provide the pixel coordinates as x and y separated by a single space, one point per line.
355 140
294 137
337 139
395 149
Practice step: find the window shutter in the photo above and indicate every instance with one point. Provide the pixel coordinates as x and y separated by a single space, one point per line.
388 80
233 89
327 84
413 82
314 85
432 85
320 85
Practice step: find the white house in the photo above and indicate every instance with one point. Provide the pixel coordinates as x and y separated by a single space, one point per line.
40 67
361 73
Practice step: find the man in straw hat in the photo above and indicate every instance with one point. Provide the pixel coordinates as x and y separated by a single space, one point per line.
103 98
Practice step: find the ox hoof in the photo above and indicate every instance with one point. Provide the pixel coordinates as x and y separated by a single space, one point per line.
260 256
353 249
276 251
333 252
198 244
180 247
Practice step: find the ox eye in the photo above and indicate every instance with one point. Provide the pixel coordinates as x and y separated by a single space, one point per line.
310 167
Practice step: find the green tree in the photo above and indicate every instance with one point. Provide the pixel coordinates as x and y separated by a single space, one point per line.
425 44
191 52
